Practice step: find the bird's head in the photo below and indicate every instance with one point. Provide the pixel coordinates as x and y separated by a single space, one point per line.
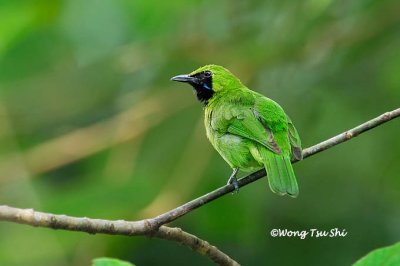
210 80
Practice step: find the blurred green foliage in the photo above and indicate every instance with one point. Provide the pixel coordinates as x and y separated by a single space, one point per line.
110 262
387 256
91 125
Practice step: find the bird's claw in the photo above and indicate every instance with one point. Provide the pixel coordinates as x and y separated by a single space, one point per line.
233 181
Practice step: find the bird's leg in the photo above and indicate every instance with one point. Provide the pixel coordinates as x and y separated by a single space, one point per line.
232 179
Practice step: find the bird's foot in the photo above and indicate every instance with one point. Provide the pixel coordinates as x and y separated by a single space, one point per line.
232 180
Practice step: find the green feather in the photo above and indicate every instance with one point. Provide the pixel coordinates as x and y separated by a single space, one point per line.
280 174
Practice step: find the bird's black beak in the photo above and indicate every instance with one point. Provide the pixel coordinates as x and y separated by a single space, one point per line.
184 78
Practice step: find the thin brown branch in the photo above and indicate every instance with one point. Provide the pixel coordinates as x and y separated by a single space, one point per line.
119 227
196 244
349 134
153 226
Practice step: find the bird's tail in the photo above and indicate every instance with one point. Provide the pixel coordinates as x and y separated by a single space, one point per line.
281 177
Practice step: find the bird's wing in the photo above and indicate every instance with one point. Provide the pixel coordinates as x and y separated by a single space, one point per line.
242 121
272 114
295 141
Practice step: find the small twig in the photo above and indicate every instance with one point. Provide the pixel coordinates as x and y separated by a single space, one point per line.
196 244
354 132
153 226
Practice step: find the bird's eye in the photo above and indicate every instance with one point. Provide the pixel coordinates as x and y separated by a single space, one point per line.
207 74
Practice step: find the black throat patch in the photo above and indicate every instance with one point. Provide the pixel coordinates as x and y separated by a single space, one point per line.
203 95
203 87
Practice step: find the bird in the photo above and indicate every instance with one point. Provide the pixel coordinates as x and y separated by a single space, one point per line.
249 130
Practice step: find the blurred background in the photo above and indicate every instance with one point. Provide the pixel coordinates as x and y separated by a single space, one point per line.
91 125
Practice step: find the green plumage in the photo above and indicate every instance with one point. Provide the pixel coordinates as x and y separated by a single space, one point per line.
249 130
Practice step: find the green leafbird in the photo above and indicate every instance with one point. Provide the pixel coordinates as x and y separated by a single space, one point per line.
249 130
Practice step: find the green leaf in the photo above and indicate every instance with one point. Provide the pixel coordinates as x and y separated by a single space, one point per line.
110 262
387 256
